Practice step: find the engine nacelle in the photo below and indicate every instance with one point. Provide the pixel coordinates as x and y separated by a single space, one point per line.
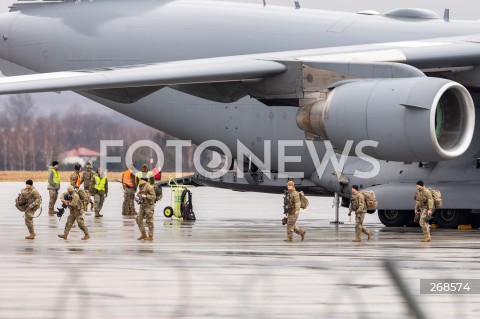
412 119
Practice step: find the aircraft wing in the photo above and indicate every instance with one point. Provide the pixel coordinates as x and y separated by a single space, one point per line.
433 55
147 75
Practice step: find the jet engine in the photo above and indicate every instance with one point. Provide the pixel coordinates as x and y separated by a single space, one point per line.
412 119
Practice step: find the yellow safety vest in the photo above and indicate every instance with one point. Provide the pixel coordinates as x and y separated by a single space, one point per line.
56 176
100 183
148 175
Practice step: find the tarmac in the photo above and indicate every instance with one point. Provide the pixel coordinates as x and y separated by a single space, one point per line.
230 263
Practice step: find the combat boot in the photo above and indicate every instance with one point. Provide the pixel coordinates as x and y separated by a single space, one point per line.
149 238
98 215
288 239
357 240
87 236
303 235
32 236
51 212
143 236
64 236
426 239
370 235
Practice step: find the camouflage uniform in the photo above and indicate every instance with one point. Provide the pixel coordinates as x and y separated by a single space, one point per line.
424 203
88 181
359 206
99 195
147 208
76 214
35 200
293 205
52 190
128 207
74 178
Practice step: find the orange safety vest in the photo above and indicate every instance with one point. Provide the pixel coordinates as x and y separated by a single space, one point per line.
77 183
127 178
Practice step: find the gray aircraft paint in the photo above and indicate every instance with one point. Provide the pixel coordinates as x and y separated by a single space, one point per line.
57 38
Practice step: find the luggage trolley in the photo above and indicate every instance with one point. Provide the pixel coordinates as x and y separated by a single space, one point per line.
180 201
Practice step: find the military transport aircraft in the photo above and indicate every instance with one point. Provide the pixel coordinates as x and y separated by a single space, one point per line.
288 84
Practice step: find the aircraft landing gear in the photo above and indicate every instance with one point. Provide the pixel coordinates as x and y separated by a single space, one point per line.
395 218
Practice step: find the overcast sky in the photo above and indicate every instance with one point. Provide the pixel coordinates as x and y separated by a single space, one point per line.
459 9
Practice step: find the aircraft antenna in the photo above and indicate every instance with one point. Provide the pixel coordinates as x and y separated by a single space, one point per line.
446 15
297 4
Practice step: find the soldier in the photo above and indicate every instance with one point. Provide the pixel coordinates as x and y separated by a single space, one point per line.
53 181
145 173
424 206
129 189
146 195
293 209
33 199
359 206
76 213
88 181
75 179
100 190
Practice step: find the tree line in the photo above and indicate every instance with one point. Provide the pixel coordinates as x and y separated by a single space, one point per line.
31 141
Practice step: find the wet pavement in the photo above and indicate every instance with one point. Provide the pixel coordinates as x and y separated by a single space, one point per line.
230 263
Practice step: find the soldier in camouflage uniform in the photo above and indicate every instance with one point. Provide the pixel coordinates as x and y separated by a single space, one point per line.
88 181
34 200
146 194
129 187
53 186
359 206
100 190
424 206
76 214
293 209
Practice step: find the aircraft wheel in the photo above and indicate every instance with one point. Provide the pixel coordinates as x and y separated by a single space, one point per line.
395 218
449 218
474 220
168 212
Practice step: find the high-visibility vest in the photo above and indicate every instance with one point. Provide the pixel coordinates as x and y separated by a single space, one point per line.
56 176
77 182
127 178
141 175
100 183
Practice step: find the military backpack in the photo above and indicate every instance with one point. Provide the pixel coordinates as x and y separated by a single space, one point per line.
370 200
158 192
437 197
303 200
21 203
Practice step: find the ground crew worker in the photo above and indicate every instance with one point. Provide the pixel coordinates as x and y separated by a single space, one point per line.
75 179
53 186
359 206
293 209
145 173
76 213
100 190
129 187
33 199
424 206
146 195
88 181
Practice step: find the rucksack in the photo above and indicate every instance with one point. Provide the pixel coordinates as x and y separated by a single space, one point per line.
370 200
83 195
303 200
21 203
437 197
158 192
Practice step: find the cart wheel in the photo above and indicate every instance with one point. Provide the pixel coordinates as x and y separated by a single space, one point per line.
168 212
